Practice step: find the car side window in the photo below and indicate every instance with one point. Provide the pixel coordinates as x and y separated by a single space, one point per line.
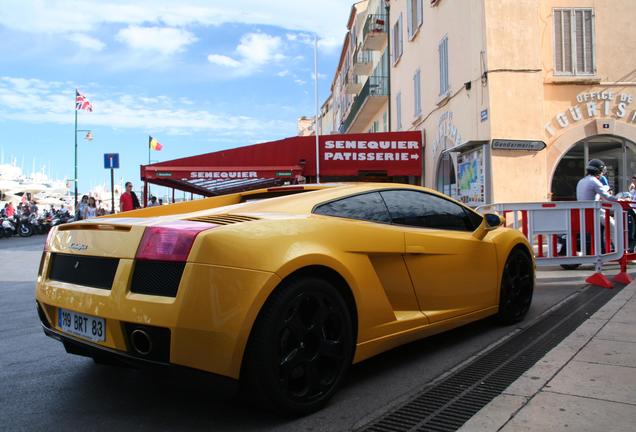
420 209
369 207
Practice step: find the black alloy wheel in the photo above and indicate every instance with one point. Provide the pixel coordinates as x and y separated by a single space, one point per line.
517 285
301 347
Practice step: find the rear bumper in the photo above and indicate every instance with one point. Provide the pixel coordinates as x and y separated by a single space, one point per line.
208 322
86 349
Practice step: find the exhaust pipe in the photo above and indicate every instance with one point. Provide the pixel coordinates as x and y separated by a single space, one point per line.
141 342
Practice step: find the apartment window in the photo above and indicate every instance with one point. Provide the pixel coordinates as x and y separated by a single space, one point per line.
396 40
385 122
574 42
417 95
413 16
398 110
444 86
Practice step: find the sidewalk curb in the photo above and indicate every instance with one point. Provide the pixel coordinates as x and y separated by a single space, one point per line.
504 407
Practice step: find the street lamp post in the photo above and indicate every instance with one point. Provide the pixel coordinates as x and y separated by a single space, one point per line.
89 136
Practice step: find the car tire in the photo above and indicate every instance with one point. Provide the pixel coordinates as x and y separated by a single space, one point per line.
300 349
517 286
570 266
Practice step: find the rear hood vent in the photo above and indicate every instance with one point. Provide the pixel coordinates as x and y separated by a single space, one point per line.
223 219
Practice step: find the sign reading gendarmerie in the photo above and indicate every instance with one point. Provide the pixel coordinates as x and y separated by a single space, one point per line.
518 145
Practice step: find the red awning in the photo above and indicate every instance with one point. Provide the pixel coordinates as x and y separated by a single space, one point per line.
286 160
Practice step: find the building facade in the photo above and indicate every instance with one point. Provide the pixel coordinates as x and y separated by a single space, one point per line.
513 96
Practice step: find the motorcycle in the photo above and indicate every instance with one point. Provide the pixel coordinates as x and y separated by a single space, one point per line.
25 229
9 227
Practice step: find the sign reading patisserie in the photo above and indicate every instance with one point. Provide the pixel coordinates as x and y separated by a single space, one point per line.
596 104
371 150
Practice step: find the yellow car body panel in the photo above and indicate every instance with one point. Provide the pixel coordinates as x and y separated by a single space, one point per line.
406 282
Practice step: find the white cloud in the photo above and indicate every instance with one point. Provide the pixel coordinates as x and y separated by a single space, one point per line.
165 40
253 51
283 73
53 102
85 41
300 82
327 18
222 60
260 48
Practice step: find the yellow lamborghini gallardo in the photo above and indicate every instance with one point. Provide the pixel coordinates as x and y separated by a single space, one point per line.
281 288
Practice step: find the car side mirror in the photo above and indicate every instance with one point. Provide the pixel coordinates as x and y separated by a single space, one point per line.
490 221
493 220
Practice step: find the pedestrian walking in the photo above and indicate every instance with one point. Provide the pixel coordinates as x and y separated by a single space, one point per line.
126 200
79 213
90 209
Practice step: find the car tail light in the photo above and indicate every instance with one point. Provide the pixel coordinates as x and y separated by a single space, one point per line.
171 241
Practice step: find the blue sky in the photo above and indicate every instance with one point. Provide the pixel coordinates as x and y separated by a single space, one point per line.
199 76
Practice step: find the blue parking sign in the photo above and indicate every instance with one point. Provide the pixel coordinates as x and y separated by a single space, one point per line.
111 160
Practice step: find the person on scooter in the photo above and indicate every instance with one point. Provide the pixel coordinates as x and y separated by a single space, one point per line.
590 188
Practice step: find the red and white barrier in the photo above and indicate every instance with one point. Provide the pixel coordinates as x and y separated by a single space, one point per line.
544 223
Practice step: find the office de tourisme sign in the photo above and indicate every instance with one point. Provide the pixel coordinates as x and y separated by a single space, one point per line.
596 104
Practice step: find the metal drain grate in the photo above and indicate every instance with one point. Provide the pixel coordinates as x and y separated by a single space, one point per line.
447 405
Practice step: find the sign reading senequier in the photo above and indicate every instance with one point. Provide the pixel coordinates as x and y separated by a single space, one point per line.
371 150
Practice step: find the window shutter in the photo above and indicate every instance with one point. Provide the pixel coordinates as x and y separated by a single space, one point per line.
440 50
558 41
567 41
589 42
579 44
409 18
400 37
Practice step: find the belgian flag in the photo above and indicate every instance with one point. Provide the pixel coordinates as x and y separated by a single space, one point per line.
154 144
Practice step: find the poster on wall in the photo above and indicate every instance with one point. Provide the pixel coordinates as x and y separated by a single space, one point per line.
471 179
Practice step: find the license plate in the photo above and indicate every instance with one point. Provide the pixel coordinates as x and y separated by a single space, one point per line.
85 326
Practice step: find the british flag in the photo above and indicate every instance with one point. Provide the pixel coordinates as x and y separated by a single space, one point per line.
81 103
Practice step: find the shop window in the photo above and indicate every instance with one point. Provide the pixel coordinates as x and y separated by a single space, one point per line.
396 40
385 127
574 42
444 86
422 210
417 95
414 16
369 207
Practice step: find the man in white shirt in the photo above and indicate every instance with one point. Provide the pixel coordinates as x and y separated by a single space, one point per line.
590 188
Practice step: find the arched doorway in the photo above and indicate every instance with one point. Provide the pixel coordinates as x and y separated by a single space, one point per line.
618 154
446 181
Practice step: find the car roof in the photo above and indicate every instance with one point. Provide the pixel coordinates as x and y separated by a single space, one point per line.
303 203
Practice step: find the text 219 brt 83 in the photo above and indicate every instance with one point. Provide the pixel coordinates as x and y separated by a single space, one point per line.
280 288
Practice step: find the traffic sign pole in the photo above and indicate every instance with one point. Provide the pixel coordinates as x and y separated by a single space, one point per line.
111 161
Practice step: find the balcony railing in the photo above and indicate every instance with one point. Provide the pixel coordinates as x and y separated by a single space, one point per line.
374 32
375 89
352 84
362 62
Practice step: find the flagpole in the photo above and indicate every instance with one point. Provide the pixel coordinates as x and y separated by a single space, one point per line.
148 190
75 177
